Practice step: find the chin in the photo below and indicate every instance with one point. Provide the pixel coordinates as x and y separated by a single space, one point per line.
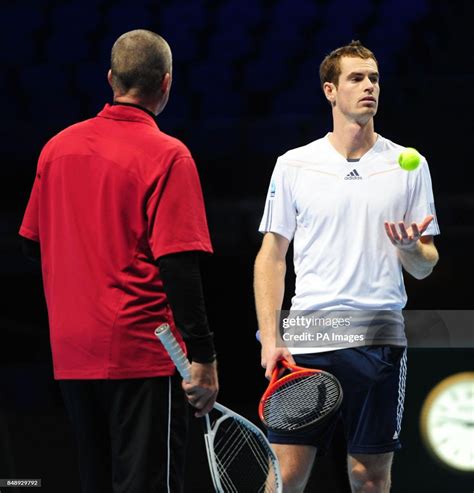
364 119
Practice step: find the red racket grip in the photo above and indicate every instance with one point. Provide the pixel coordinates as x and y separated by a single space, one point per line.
291 367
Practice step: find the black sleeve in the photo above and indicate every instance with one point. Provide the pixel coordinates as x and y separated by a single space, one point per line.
31 249
181 278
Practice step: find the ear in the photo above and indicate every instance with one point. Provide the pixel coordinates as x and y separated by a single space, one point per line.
166 83
109 77
330 91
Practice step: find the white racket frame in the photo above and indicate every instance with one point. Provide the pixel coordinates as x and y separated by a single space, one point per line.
167 338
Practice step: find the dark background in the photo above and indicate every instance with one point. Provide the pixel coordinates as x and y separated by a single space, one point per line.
245 90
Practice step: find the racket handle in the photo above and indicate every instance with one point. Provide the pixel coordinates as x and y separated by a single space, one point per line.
167 338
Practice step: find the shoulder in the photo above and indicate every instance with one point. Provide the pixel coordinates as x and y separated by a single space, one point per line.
388 153
170 146
311 153
388 147
150 142
66 136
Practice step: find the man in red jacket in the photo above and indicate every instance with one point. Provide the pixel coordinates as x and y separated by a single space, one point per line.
118 214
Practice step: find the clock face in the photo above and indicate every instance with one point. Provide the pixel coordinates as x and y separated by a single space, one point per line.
447 421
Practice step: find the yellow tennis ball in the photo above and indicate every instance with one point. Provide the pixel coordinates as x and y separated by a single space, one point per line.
409 159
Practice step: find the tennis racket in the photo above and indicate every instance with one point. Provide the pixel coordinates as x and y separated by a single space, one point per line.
298 398
239 455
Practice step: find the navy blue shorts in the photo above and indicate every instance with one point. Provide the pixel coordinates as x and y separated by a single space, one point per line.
373 384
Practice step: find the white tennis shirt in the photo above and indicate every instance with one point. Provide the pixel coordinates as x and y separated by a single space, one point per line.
334 211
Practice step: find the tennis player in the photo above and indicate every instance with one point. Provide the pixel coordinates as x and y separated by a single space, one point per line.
118 216
356 219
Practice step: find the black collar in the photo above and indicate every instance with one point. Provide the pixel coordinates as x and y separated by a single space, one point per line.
133 105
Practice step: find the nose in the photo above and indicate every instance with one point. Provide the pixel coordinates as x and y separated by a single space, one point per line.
369 85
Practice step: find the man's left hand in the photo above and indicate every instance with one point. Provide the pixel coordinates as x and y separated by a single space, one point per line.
403 238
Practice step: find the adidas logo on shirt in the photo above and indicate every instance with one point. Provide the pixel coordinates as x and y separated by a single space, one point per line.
353 175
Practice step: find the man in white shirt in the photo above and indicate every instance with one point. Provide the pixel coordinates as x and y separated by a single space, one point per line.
356 218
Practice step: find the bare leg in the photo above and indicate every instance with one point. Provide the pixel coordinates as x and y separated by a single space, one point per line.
296 462
370 473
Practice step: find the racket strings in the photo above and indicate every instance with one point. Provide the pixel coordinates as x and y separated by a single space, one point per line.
240 437
301 401
244 463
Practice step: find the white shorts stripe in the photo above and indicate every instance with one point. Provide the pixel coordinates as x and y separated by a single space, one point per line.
401 392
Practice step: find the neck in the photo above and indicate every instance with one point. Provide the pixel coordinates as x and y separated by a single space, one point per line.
352 139
148 105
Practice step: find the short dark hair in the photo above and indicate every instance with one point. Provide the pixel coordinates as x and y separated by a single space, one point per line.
330 68
139 61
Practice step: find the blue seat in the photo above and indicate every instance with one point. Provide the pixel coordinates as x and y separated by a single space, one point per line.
44 77
209 75
20 23
230 42
75 16
91 82
217 133
271 136
282 44
265 74
181 25
291 13
62 47
236 12
301 99
183 15
179 106
184 45
92 76
223 104
47 87
125 16
331 35
388 37
22 17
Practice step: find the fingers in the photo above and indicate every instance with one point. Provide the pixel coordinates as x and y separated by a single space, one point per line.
290 359
269 370
269 365
403 238
204 405
203 388
425 223
270 360
416 231
402 234
388 230
202 399
403 230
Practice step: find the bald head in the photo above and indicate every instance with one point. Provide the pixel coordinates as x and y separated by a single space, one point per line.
140 59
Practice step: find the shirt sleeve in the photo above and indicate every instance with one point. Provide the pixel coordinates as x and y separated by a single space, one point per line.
175 212
421 200
30 225
279 215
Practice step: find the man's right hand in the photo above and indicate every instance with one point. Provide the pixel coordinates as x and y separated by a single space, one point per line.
271 354
202 390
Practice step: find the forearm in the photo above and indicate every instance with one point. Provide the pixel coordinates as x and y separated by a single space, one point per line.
181 278
420 260
269 287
